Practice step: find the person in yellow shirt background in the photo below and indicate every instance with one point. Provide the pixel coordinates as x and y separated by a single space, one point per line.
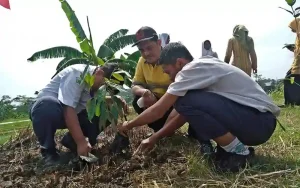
292 90
242 47
150 82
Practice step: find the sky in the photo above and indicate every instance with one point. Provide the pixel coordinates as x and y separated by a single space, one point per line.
35 25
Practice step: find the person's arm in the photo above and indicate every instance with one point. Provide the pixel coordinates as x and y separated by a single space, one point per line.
253 57
228 52
138 80
170 127
196 76
69 94
73 125
154 112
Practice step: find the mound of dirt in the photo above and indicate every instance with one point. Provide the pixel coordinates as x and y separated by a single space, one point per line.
20 166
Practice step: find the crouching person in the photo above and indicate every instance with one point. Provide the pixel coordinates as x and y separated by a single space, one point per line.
62 105
219 101
150 82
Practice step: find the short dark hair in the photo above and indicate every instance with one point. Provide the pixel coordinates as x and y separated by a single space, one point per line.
109 68
172 51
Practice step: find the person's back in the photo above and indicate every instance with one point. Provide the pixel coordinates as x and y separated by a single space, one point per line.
68 78
229 81
241 57
242 47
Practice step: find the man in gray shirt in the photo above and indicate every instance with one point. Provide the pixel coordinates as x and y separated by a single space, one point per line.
219 101
62 104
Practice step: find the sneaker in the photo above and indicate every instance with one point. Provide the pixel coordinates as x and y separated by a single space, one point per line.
119 144
231 162
206 148
219 153
50 158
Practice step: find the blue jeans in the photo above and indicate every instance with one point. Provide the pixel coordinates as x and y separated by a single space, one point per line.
211 115
47 116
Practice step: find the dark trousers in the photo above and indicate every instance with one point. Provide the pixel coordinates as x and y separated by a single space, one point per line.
157 125
47 116
291 91
211 115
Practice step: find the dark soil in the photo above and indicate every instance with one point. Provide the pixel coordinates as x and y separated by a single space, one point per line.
20 164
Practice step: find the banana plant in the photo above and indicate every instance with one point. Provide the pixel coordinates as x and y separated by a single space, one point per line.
97 105
129 62
115 42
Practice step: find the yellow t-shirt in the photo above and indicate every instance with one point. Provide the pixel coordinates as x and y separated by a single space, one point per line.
151 77
296 64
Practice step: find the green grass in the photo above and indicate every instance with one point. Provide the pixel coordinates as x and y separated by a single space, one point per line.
9 130
12 120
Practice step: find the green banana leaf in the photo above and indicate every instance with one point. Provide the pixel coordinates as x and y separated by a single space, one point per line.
121 42
69 62
56 52
62 62
115 35
114 43
105 52
135 56
77 28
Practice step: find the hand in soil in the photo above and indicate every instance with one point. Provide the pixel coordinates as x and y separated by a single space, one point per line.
123 128
83 148
146 145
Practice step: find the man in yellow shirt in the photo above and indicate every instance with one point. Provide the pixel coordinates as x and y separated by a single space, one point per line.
150 82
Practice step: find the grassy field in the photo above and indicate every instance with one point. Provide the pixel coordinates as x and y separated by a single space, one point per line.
175 162
10 130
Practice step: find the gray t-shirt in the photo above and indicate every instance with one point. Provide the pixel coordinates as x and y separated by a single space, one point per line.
66 88
223 79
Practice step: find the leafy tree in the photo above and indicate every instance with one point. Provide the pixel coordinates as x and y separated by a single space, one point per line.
14 108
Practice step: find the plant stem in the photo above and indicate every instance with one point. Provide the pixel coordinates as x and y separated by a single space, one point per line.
91 39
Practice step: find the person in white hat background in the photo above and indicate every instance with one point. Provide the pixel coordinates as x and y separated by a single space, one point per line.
165 39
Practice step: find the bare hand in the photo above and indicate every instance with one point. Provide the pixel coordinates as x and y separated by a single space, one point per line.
83 148
123 128
149 99
146 145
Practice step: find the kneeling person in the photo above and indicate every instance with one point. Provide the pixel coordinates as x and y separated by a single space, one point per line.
219 101
150 82
62 104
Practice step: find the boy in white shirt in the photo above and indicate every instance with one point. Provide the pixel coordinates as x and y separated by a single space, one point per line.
62 104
